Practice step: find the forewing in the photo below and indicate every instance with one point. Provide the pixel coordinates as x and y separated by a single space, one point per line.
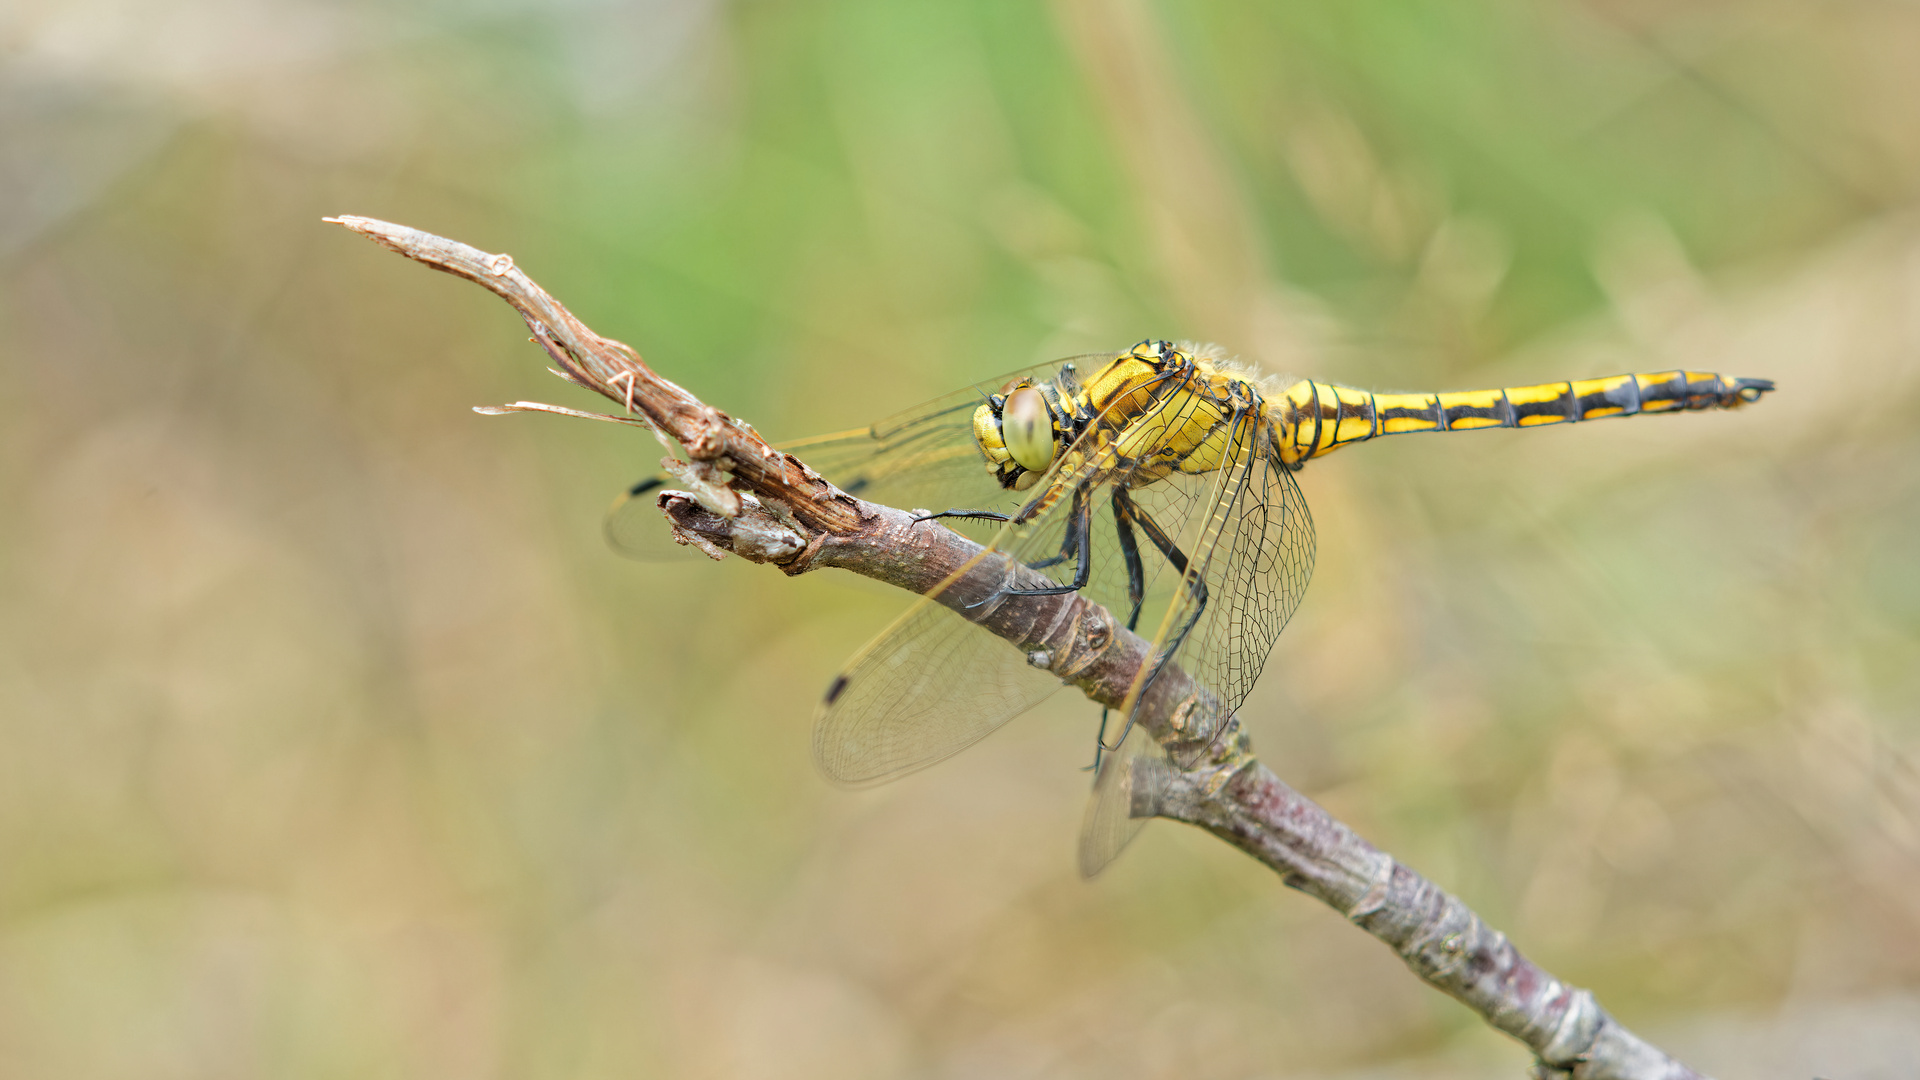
929 686
1126 779
923 458
935 682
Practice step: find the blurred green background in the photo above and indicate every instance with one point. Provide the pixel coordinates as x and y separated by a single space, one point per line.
333 741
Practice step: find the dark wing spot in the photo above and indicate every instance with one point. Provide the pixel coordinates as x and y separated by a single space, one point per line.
646 485
834 691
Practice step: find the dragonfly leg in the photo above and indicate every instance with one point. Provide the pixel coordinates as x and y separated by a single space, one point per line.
1130 551
966 515
1159 538
1195 585
1123 511
1075 547
1099 745
1070 545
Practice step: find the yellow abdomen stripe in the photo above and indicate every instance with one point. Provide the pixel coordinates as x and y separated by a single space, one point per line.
1317 418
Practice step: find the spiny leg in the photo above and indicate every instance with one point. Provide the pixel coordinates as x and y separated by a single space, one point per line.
966 515
1123 513
1099 746
1127 514
1075 546
1195 585
1136 589
1068 546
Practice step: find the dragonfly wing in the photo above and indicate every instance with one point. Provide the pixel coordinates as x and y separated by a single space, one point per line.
934 682
1258 558
930 686
1247 535
923 458
635 527
930 458
1122 789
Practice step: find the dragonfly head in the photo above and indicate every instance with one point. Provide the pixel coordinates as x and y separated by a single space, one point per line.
1019 431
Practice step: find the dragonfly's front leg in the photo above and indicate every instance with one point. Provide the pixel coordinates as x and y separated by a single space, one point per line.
965 515
1067 548
1075 545
1072 545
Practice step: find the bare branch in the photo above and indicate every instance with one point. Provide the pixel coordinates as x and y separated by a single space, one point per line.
752 500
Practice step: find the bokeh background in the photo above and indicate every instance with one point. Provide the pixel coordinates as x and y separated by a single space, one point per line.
334 742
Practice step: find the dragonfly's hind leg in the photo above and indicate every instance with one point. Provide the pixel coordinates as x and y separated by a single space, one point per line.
1123 513
1159 538
1195 585
1099 745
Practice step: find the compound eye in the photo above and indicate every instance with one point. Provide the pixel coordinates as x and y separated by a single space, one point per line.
1026 424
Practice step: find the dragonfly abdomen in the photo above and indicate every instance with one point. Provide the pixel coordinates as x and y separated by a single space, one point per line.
1317 418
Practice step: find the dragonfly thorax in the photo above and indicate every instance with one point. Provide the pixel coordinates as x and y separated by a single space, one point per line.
1152 411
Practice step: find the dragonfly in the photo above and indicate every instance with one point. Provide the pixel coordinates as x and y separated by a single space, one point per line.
1157 482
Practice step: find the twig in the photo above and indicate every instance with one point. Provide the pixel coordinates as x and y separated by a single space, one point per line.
767 506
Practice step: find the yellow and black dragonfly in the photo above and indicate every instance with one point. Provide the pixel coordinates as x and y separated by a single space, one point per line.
1157 482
